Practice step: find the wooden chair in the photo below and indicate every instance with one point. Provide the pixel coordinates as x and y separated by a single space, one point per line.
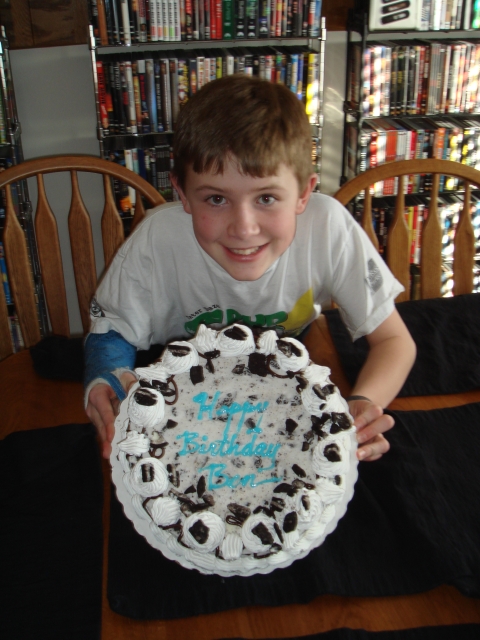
398 249
50 258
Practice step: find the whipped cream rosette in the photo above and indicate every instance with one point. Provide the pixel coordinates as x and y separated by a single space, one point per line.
235 341
179 357
267 342
205 340
234 454
135 443
146 408
291 355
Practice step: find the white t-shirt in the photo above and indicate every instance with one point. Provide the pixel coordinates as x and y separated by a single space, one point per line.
162 284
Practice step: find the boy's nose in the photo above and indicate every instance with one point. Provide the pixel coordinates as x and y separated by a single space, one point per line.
244 223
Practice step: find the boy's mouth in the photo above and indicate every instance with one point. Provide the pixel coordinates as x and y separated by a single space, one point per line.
245 252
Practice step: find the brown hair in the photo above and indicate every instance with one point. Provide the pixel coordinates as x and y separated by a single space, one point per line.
259 123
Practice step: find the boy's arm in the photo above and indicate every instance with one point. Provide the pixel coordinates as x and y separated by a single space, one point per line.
390 358
109 361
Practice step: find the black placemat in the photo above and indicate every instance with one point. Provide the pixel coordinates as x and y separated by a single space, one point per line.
447 334
447 632
51 535
412 525
60 358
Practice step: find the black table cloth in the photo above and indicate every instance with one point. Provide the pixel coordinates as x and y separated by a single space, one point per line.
447 334
412 525
51 537
448 632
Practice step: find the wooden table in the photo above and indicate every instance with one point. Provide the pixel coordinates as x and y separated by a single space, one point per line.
30 402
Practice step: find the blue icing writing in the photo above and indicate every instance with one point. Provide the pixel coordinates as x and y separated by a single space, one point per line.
228 410
218 480
227 446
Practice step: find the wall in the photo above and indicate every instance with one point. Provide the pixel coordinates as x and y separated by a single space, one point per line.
56 106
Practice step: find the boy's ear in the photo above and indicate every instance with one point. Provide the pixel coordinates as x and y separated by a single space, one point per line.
181 193
304 197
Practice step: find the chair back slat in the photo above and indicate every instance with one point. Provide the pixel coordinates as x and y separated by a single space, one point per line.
464 250
431 253
6 345
50 257
20 274
366 221
398 245
112 227
83 256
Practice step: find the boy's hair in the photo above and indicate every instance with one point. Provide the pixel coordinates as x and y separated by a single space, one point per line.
258 123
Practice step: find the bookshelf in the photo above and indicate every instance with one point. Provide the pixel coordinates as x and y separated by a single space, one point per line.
11 154
143 75
414 94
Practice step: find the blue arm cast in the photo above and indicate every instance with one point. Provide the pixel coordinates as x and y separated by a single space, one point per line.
105 352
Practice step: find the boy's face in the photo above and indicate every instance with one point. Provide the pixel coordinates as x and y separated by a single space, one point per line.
244 223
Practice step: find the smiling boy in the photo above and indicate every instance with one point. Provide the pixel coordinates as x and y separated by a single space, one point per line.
250 242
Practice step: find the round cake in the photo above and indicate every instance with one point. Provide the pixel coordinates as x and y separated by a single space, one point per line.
233 453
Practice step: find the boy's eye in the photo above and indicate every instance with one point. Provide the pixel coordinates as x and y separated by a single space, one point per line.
266 199
216 200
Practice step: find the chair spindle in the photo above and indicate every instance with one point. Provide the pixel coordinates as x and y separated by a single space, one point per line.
464 249
398 246
431 247
50 257
83 257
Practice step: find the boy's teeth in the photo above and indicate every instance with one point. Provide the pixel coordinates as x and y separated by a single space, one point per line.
244 252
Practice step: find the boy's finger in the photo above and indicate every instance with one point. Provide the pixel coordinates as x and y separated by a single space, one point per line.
106 450
370 413
374 449
380 425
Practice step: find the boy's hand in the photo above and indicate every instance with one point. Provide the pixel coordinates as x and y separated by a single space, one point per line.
371 423
102 409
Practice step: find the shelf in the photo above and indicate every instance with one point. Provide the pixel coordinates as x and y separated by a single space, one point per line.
312 43
354 113
416 35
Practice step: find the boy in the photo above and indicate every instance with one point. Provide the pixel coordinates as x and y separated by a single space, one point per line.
249 241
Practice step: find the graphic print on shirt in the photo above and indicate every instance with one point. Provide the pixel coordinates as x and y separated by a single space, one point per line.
374 277
289 324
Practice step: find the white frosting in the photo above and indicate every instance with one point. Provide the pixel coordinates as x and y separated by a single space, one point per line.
252 541
205 339
316 374
137 502
146 416
290 540
231 347
153 372
289 361
307 516
175 364
160 481
330 468
232 546
329 491
216 531
165 511
267 342
135 443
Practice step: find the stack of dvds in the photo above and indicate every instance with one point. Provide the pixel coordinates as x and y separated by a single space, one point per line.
415 78
144 95
126 22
